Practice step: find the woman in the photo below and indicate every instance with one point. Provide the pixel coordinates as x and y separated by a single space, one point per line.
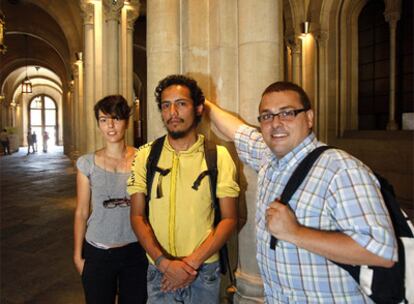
106 252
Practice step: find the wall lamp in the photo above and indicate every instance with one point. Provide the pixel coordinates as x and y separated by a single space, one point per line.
305 28
79 56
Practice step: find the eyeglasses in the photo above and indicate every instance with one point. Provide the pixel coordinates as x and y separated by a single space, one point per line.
287 115
114 202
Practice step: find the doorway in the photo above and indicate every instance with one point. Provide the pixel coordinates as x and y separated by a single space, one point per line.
43 114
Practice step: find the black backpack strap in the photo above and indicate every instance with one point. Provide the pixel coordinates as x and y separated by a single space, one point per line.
151 165
297 178
210 154
210 150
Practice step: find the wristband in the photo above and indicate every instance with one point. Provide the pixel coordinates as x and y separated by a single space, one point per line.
158 260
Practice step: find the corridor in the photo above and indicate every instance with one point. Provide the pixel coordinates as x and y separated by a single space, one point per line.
37 202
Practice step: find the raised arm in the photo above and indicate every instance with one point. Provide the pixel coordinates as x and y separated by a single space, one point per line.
224 121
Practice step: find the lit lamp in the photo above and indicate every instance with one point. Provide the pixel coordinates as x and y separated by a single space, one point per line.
26 84
305 28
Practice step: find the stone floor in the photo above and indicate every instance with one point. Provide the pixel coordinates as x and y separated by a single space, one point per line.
37 202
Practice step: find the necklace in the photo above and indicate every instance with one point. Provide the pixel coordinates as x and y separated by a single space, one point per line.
110 190
120 164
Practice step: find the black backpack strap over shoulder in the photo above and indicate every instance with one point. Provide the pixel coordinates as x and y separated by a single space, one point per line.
210 151
151 165
297 178
210 154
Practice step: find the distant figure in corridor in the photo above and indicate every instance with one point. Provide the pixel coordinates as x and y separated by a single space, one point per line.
45 139
34 140
5 142
29 139
106 252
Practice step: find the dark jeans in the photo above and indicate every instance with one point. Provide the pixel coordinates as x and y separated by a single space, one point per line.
6 147
114 271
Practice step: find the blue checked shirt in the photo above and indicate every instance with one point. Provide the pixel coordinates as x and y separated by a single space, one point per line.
339 194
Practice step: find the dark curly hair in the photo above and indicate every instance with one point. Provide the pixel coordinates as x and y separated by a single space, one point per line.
114 105
281 86
196 93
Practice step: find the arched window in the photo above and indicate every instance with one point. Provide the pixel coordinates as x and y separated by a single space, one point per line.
43 117
373 67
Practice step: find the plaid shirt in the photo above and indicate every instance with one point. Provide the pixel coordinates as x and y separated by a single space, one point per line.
339 194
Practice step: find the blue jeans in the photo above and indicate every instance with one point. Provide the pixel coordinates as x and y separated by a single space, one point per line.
205 289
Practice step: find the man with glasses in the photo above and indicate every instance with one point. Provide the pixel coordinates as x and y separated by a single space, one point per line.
337 214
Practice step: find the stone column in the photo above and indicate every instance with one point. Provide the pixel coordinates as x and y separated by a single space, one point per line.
195 39
223 57
13 115
392 15
163 53
130 13
112 11
78 109
321 93
88 9
260 50
295 47
99 68
72 99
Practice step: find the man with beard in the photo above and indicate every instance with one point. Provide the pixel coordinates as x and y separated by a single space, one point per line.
179 236
337 214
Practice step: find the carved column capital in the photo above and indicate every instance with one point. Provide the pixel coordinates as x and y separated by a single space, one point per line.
294 44
132 15
75 69
71 86
88 10
392 18
113 9
392 11
321 37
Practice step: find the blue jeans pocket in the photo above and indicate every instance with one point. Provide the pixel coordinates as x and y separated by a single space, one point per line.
152 273
210 274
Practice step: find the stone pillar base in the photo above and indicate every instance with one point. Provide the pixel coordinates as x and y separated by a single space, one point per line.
249 289
392 125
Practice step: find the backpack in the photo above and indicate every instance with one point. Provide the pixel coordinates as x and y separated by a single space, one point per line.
382 285
210 150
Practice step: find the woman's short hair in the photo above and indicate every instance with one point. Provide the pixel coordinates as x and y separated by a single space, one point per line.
114 105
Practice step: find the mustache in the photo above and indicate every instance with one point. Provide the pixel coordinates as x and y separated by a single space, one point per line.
180 119
279 130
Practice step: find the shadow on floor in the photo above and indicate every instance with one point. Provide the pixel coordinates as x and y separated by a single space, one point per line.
37 203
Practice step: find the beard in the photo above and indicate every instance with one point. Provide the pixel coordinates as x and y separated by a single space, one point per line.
178 134
181 133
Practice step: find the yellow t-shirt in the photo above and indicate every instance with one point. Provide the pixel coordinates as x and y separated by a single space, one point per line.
182 217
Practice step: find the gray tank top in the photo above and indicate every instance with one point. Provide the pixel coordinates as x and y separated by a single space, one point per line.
109 222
